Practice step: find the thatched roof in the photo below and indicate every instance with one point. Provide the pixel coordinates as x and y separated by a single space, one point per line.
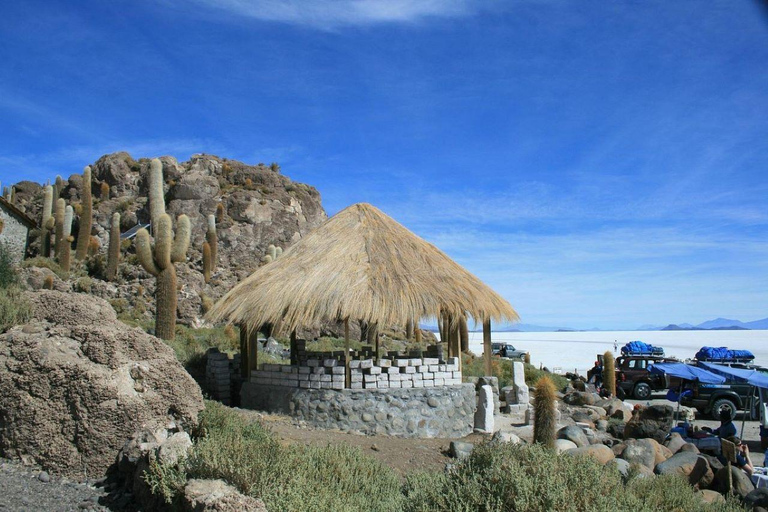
363 265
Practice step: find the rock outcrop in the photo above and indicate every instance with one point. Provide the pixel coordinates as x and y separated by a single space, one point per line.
76 384
255 206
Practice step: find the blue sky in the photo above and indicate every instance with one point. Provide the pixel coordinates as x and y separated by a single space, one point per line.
598 163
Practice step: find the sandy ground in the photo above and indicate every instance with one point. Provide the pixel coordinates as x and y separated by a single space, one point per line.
403 455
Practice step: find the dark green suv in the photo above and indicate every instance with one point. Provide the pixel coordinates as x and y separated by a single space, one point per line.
732 396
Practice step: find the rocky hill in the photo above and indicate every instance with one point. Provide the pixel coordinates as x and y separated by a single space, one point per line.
255 206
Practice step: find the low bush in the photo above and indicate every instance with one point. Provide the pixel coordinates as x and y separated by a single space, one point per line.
8 275
474 366
287 478
532 478
14 309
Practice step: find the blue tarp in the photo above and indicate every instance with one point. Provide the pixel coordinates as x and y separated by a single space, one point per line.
754 377
687 372
641 348
723 354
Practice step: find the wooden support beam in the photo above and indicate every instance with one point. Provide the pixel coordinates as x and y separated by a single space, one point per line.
347 373
253 352
487 350
244 352
294 358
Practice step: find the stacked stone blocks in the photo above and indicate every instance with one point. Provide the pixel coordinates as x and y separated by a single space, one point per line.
364 374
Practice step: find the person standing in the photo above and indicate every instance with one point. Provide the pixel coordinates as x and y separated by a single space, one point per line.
615 345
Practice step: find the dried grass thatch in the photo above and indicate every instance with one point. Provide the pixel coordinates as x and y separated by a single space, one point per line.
362 265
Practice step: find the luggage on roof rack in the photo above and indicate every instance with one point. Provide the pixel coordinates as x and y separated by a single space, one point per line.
724 354
638 348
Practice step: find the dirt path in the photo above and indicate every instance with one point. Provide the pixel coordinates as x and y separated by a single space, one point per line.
402 455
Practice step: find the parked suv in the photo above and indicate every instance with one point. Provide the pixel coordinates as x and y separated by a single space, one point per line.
634 379
731 396
507 350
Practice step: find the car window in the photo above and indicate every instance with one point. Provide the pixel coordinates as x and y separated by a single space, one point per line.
632 364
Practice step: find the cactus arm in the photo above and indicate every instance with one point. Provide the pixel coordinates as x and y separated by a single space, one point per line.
213 240
144 252
181 240
156 194
163 242
113 252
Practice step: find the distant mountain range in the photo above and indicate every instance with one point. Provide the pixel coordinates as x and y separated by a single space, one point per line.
718 324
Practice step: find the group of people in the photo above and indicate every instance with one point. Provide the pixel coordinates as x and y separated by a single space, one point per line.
727 430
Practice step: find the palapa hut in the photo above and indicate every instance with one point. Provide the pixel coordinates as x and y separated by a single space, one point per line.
361 265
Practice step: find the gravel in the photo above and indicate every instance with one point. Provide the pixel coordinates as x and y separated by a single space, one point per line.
30 489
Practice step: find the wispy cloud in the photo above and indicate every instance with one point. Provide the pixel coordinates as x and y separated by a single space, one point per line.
339 13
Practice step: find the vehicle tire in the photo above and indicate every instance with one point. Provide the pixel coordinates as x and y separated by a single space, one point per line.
642 391
721 404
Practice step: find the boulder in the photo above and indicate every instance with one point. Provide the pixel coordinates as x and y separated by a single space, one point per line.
505 437
218 496
622 466
711 497
757 498
574 434
675 442
77 384
579 398
611 405
562 445
460 449
742 485
689 465
689 447
640 451
654 422
599 452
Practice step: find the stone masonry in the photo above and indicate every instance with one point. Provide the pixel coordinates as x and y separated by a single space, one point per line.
444 411
364 374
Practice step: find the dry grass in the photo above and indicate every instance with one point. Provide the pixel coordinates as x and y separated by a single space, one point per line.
361 265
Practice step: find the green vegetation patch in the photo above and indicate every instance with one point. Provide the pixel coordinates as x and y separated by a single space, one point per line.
502 369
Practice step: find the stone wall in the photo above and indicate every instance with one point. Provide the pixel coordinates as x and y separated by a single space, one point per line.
222 377
445 411
13 235
364 374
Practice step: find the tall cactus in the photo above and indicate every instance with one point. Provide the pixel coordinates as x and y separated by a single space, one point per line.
207 262
46 223
544 413
213 240
58 187
156 193
65 256
168 250
113 252
609 373
61 206
86 217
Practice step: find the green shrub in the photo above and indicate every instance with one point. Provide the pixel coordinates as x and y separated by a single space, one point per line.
48 263
532 478
14 309
288 478
502 368
8 276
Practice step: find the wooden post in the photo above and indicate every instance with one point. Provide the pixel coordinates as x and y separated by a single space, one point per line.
487 350
294 358
464 333
457 342
417 332
347 373
244 353
253 352
378 355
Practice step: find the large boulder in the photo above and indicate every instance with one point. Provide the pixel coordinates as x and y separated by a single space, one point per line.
742 485
599 452
76 384
654 421
674 442
689 465
575 434
757 498
580 398
640 451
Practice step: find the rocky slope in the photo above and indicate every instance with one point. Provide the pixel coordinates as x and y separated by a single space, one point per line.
255 206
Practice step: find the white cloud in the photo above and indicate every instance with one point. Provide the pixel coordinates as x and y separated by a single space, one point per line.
338 13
